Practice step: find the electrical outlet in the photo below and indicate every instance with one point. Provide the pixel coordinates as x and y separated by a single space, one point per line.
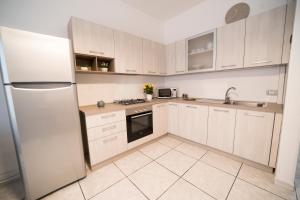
272 92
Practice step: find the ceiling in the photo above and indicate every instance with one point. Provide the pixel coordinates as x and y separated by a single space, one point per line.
162 9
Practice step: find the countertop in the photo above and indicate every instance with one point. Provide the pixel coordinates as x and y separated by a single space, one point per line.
111 107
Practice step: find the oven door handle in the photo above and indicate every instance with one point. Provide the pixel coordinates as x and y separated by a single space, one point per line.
145 114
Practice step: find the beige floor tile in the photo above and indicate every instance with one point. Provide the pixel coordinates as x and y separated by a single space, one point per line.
121 190
170 141
155 150
245 191
70 192
132 162
153 180
183 190
264 180
176 162
221 162
100 180
191 150
12 190
209 179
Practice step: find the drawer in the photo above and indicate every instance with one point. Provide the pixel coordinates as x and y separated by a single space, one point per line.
106 118
106 130
107 147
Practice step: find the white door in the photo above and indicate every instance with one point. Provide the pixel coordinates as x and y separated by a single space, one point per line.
173 110
253 135
161 57
180 64
149 57
231 45
193 122
264 38
160 119
221 124
128 53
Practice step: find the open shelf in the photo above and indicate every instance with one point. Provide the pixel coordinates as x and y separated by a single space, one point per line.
87 63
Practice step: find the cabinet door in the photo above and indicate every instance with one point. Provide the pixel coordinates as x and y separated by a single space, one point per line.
92 39
160 119
161 57
264 38
170 58
128 50
230 46
173 110
149 57
193 122
288 30
180 64
221 124
253 135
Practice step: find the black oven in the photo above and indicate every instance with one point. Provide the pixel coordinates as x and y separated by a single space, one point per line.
139 123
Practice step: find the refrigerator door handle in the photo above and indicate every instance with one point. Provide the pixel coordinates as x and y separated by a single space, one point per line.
40 86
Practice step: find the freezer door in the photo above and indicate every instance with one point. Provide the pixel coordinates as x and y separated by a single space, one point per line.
48 137
32 57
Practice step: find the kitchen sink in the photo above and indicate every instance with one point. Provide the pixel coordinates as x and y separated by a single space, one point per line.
215 101
247 103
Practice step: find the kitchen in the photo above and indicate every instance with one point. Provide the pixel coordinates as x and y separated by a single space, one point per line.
236 122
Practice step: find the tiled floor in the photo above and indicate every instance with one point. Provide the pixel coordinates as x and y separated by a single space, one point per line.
174 170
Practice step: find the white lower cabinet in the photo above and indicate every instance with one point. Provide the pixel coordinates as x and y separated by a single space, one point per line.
221 125
107 147
193 122
160 119
253 135
173 110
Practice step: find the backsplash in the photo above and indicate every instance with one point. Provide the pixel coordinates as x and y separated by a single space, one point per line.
93 87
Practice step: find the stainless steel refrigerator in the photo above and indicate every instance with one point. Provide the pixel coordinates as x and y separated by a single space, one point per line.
40 89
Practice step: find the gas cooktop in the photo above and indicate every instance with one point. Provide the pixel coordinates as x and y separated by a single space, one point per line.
130 101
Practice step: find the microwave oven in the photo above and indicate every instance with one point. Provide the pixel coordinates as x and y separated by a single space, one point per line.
167 93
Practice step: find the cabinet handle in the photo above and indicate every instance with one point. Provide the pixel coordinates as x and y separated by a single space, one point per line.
109 128
262 61
181 71
110 139
253 115
224 66
108 116
173 105
97 52
151 72
130 70
194 107
219 110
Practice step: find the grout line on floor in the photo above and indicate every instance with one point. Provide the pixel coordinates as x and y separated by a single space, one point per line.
81 190
233 182
219 168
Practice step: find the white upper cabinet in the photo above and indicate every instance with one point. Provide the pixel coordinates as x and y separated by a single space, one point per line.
160 119
253 135
161 59
170 58
180 57
264 38
289 25
193 122
173 114
221 125
231 46
92 39
128 53
150 59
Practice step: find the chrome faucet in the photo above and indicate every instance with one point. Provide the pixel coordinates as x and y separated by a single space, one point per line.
227 98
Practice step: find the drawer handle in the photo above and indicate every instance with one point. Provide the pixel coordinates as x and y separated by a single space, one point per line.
181 71
96 52
191 107
130 70
173 105
110 139
219 110
151 72
108 116
109 128
253 115
260 62
224 66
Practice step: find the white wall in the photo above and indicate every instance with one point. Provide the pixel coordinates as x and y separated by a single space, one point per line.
92 88
51 16
208 15
290 135
251 84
